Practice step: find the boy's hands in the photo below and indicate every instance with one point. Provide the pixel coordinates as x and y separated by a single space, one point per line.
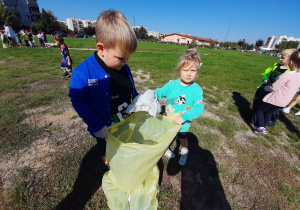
102 133
178 120
105 161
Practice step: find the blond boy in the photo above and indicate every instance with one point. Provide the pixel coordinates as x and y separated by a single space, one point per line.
102 86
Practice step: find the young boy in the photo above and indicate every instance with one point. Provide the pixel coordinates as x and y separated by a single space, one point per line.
66 62
102 86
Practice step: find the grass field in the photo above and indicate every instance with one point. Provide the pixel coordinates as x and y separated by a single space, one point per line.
48 159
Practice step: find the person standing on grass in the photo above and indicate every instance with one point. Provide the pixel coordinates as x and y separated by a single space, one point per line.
30 39
33 40
41 39
66 62
45 38
102 86
280 93
19 41
10 34
4 40
184 99
25 38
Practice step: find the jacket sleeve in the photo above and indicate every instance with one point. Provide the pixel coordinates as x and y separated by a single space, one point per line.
279 83
81 102
197 107
163 92
268 71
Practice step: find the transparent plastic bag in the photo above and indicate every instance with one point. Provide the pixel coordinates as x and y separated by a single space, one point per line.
145 102
133 149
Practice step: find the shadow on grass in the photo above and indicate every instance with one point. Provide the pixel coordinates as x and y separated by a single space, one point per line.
243 106
88 181
288 124
201 187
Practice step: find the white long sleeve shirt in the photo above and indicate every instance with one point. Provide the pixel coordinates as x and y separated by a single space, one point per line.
9 32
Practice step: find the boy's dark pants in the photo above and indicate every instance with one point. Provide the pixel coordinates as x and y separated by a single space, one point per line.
102 146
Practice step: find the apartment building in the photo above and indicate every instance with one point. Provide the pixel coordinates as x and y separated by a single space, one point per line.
25 11
187 39
156 34
78 24
276 40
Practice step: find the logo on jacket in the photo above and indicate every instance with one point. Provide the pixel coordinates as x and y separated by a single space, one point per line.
181 100
93 82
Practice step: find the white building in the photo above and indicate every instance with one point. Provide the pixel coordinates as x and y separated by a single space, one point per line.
78 24
276 40
25 11
156 34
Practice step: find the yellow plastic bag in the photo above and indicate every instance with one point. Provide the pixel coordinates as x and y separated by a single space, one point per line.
133 149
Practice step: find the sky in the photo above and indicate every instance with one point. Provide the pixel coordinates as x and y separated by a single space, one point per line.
222 20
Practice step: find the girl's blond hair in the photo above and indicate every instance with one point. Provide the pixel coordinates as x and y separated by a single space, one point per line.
189 59
113 29
289 52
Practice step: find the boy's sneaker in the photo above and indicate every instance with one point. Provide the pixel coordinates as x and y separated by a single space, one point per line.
260 131
169 154
286 110
65 75
183 157
297 113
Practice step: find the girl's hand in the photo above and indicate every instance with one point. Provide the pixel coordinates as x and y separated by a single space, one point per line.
105 160
178 120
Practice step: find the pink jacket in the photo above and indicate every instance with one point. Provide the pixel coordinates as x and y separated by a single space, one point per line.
283 90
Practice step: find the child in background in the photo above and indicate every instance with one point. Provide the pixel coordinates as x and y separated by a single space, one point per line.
41 39
102 86
19 41
33 40
288 109
30 39
66 62
4 39
184 99
45 38
281 93
25 38
191 49
9 32
271 74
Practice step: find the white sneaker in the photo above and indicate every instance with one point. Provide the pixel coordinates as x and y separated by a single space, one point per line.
286 110
169 154
297 113
183 157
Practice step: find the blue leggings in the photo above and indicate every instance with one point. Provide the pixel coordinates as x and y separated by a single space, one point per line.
264 113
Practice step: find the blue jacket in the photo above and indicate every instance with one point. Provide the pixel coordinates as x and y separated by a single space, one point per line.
90 94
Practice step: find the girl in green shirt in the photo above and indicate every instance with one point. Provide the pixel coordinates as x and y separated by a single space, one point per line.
184 99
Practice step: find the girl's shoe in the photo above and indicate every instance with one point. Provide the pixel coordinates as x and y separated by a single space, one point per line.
286 110
297 113
183 157
169 154
260 131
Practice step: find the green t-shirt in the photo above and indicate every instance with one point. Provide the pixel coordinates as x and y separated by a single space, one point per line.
185 100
